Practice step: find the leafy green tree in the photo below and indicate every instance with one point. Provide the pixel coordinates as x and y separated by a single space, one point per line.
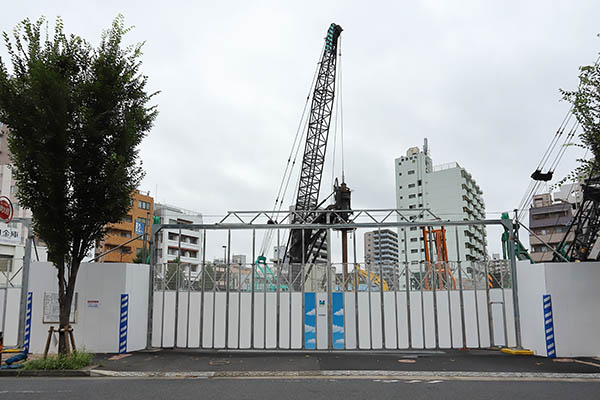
586 108
76 116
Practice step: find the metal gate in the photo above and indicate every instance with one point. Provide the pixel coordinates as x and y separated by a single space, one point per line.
272 305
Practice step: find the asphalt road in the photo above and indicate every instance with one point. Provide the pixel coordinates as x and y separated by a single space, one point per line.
313 389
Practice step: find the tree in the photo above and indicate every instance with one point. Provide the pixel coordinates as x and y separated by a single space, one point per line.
76 116
586 108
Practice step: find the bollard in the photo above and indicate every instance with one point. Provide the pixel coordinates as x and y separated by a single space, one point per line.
1 345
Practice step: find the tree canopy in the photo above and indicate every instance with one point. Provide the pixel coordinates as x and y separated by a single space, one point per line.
586 108
76 115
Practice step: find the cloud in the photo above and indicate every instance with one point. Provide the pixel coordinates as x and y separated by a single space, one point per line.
339 312
309 329
340 341
338 329
313 340
311 312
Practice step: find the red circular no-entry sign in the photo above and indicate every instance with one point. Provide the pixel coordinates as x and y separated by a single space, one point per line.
6 209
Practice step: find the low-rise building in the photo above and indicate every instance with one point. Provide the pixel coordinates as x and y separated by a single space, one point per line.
136 223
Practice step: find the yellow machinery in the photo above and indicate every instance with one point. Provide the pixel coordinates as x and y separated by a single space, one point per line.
373 277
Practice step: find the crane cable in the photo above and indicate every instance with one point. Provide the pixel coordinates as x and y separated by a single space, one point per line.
291 161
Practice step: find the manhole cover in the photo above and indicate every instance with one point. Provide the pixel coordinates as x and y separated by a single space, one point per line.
218 362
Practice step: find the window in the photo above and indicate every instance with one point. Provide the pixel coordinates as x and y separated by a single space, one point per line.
420 205
413 239
173 236
400 173
400 187
411 172
401 197
420 194
144 205
411 185
414 251
411 206
411 196
127 219
172 252
419 182
413 228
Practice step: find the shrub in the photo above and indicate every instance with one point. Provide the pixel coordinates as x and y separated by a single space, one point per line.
75 360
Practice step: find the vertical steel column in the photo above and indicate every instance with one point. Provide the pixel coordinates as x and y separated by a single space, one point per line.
162 312
489 305
214 302
290 290
381 306
434 278
227 279
265 306
396 291
368 267
302 281
177 283
504 322
461 294
253 279
476 306
187 330
239 314
513 236
150 318
25 287
202 288
356 284
446 268
329 296
278 301
407 274
422 282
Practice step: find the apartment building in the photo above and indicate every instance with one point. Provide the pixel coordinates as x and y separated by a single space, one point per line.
549 218
449 192
185 244
381 251
137 222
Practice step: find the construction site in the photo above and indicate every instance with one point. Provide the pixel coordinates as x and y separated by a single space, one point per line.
322 275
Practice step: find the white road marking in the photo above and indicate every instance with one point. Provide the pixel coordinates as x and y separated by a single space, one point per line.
435 381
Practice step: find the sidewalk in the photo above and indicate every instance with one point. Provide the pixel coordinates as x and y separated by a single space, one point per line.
445 361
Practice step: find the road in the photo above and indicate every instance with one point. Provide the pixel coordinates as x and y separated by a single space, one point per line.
313 389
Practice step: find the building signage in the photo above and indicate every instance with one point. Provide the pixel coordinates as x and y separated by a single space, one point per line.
9 234
52 310
6 209
140 227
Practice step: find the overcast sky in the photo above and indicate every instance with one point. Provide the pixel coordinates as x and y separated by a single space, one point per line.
480 79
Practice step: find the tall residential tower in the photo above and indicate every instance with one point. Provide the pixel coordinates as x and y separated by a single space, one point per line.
450 193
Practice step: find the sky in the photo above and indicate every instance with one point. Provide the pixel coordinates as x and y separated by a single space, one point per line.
479 79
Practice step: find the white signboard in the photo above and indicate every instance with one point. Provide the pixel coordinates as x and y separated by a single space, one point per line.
52 309
9 234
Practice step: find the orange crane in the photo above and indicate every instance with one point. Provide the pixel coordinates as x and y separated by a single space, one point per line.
437 269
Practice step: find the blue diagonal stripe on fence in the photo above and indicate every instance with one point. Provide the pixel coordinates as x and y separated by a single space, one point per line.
549 327
123 323
27 338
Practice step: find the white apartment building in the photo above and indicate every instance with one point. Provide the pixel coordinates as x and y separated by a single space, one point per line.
381 251
451 193
171 241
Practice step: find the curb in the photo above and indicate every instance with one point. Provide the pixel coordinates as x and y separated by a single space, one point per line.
522 376
64 373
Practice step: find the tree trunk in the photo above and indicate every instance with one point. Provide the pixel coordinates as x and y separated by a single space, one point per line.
65 299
